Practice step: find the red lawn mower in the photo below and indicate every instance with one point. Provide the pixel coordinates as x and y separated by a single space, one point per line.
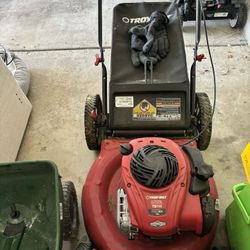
149 188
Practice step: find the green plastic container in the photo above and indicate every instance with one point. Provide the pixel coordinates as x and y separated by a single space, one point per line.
30 206
238 218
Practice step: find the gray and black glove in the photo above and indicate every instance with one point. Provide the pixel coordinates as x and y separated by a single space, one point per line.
157 44
138 40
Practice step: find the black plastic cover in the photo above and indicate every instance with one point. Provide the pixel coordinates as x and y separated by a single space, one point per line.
154 166
172 69
170 79
126 149
200 172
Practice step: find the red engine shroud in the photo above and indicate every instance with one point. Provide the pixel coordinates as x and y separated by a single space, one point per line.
99 206
183 209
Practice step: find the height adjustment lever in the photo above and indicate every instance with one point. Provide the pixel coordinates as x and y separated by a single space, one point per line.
98 60
200 57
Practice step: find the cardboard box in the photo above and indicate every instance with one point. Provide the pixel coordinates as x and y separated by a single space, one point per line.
15 110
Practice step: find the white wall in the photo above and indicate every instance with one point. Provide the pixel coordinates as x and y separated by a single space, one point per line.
247 26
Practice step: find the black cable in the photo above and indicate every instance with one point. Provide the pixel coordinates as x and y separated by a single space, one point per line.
214 80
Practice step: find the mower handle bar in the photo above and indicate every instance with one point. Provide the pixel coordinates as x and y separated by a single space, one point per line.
197 41
100 24
104 69
197 26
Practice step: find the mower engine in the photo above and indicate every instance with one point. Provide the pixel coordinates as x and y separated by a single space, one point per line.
165 190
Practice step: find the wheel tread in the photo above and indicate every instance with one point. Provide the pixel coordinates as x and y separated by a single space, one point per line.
205 113
70 231
90 130
242 17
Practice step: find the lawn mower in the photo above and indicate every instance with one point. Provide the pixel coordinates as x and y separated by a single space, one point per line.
234 10
37 211
149 188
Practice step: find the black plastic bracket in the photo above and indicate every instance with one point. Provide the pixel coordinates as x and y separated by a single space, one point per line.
200 172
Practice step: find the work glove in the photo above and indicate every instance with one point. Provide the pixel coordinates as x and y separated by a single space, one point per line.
138 40
157 44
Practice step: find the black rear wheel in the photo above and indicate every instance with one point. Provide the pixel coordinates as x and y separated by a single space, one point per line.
93 109
203 115
70 211
240 18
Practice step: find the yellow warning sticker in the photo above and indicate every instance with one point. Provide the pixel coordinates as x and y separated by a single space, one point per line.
245 157
144 111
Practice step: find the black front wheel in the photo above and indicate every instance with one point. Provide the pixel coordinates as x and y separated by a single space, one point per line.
70 211
240 17
203 115
93 110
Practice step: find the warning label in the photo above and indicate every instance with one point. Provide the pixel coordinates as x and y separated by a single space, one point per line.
168 109
220 14
144 111
124 101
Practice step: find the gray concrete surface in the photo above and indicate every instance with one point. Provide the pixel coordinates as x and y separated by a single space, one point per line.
73 24
62 79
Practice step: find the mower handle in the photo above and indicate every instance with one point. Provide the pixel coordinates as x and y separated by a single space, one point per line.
193 67
100 24
104 70
197 25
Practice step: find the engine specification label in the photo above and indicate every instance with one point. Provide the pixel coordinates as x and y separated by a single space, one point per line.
168 109
124 101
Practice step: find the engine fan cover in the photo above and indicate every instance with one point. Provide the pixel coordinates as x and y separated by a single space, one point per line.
154 166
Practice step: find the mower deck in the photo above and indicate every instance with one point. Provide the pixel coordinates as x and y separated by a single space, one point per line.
99 207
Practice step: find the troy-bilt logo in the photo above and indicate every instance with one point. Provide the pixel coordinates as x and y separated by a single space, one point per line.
156 197
158 224
144 19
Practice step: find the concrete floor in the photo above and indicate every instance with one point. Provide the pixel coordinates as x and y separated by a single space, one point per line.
57 40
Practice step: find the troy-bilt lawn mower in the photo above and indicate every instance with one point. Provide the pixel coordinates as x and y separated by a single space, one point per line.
145 191
234 10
